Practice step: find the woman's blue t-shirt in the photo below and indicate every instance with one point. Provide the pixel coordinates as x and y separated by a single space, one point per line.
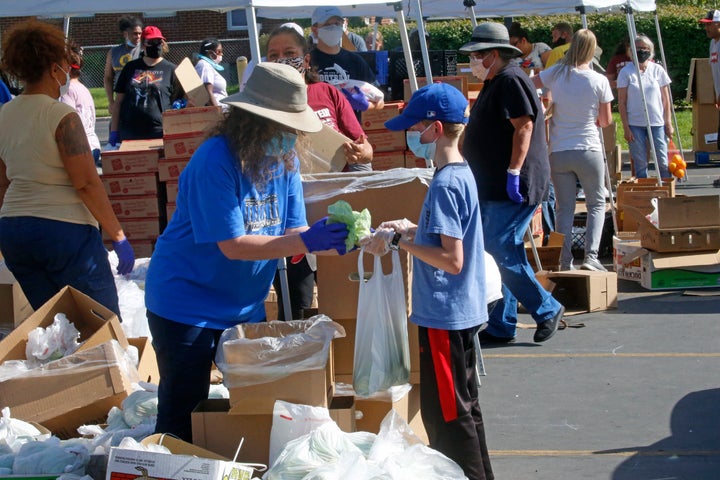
190 280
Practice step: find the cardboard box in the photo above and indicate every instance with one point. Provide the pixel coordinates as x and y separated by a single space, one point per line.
140 228
136 145
95 323
171 190
130 161
131 184
170 209
387 141
664 271
171 169
582 291
134 206
459 82
182 145
370 413
374 119
685 224
124 464
76 390
14 306
308 387
704 127
191 83
701 89
325 151
191 120
626 246
549 254
215 429
147 362
388 160
638 194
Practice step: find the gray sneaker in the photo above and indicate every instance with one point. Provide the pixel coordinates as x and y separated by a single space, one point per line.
567 268
591 263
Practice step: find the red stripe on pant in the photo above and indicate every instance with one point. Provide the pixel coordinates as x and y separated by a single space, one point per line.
440 350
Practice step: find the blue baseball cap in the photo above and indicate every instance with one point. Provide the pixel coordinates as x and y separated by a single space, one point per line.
438 101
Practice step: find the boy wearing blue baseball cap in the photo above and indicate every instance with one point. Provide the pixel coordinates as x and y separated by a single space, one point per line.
448 286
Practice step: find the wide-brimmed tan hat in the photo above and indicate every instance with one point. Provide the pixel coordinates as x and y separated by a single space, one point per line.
277 92
489 36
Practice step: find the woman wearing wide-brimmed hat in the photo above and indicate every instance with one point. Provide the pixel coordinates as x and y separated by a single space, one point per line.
239 208
506 148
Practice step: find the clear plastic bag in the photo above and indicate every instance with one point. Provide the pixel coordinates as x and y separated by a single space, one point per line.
256 353
382 352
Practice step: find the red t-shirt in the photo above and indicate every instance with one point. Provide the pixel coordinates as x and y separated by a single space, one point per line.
333 109
617 62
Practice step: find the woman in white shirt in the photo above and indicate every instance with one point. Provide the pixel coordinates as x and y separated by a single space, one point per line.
581 99
209 68
656 86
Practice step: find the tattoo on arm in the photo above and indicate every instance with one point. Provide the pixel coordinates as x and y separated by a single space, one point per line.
70 137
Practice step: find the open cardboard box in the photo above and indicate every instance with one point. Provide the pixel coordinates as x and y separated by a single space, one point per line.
685 224
14 306
191 83
668 271
187 462
582 291
549 255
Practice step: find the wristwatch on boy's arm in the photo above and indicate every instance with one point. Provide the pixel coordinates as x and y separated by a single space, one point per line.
394 244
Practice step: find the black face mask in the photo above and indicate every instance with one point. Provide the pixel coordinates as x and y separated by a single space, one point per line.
153 51
643 56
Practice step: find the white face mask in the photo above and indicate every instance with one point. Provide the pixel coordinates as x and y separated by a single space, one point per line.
331 35
64 87
218 58
478 68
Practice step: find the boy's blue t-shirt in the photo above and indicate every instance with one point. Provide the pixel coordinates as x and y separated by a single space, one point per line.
190 280
439 299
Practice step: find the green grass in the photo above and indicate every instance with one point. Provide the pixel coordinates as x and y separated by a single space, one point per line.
684 119
101 102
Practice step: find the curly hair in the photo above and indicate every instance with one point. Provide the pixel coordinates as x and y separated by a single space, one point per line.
33 47
76 59
249 137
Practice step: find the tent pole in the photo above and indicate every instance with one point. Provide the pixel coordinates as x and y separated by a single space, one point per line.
253 34
412 78
583 16
672 103
633 34
423 44
66 26
473 18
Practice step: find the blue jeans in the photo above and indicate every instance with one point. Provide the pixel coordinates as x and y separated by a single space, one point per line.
46 255
504 227
548 214
184 356
639 150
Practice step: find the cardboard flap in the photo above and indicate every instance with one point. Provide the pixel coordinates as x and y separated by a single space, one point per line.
689 212
180 447
326 151
191 83
663 261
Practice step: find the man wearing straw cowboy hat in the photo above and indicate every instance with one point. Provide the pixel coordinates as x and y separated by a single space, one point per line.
506 148
239 208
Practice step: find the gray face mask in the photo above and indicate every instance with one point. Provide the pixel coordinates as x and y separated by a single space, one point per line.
331 34
64 87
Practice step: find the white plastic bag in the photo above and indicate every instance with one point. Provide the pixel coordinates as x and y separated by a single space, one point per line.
292 420
382 353
52 343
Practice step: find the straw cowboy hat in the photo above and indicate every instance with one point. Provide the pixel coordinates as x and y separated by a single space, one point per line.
277 92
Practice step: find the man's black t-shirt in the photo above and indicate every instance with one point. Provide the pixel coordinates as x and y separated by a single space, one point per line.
148 93
488 138
343 66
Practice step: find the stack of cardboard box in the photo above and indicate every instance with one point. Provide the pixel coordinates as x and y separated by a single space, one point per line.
130 178
388 146
681 250
701 92
183 132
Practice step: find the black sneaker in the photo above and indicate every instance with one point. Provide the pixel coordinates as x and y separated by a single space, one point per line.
487 338
547 329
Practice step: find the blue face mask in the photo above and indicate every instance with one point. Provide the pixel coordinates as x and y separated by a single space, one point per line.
280 146
212 63
422 150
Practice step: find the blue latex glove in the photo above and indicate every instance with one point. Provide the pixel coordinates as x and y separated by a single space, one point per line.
324 236
357 99
114 138
126 256
512 187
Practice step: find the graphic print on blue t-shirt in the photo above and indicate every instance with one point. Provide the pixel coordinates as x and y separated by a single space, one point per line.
261 213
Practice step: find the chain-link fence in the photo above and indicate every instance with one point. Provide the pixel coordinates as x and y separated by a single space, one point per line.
94 59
